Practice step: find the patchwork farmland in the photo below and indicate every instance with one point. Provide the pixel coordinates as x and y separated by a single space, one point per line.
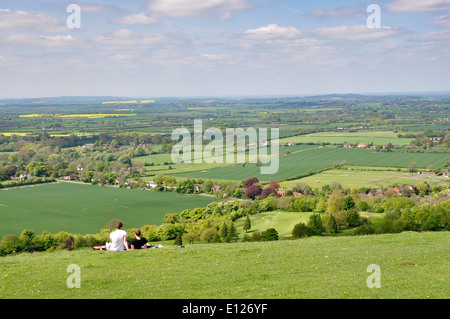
314 159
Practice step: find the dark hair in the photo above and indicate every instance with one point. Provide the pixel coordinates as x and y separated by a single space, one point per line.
137 232
119 225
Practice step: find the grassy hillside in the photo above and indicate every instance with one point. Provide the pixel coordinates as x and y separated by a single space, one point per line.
413 265
282 221
85 209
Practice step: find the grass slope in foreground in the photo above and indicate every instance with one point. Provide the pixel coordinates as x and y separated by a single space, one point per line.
413 265
85 209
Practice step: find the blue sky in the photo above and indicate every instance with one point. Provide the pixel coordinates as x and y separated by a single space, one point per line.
154 48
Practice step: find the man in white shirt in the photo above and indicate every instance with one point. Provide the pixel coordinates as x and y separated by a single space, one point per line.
118 239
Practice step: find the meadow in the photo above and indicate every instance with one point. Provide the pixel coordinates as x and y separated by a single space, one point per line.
282 221
84 208
413 266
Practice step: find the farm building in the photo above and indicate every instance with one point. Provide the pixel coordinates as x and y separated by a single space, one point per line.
25 176
71 177
151 184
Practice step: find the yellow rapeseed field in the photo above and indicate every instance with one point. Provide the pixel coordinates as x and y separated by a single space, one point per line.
13 134
36 115
91 116
121 102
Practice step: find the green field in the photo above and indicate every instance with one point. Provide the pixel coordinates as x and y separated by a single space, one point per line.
375 137
413 266
184 169
85 209
284 222
354 177
316 158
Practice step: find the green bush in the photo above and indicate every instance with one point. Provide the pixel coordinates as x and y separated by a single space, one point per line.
349 203
352 217
9 244
270 234
44 241
331 225
26 240
61 237
433 222
363 206
209 234
364 230
170 231
256 236
190 237
315 226
300 230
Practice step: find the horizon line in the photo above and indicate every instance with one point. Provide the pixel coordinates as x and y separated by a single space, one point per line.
232 96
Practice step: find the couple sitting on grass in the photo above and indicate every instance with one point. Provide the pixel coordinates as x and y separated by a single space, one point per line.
119 240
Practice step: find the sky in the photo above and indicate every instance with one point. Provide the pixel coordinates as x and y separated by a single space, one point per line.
176 48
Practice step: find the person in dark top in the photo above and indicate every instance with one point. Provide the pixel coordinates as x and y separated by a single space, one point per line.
138 242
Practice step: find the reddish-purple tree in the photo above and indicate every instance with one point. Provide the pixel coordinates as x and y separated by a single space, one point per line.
253 191
250 182
274 184
267 191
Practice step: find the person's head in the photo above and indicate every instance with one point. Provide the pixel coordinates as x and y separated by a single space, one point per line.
137 232
119 225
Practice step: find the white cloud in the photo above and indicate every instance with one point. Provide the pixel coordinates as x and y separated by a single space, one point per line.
433 36
41 40
6 60
192 8
127 37
271 32
305 42
216 57
122 58
443 21
356 32
140 18
21 20
226 16
418 5
95 7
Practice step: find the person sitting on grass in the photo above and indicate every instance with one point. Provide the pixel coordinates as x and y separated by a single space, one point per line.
138 242
118 239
